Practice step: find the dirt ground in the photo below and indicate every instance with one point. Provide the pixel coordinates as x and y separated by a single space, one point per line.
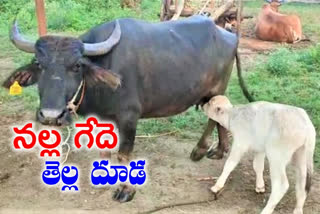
172 178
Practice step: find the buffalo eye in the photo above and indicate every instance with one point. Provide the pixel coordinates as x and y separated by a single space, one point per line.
36 62
77 67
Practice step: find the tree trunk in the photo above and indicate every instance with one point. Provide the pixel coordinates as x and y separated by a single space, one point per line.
222 9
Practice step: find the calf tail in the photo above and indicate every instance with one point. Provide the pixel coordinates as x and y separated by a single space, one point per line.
310 146
308 181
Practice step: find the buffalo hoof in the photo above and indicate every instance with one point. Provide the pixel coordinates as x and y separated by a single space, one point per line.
215 154
124 193
198 153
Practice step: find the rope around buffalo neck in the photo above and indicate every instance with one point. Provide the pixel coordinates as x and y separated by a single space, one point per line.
71 106
66 143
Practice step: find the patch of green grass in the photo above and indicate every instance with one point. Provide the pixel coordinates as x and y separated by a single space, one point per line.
149 10
189 121
73 15
280 63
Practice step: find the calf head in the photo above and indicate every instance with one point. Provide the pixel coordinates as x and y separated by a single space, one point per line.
217 109
272 6
275 6
60 67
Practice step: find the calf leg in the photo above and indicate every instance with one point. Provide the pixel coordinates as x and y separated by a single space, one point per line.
301 176
127 123
258 166
200 150
237 152
279 181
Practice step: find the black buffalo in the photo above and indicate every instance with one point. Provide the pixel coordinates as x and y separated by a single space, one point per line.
129 69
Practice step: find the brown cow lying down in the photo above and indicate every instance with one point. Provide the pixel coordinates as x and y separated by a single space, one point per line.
273 26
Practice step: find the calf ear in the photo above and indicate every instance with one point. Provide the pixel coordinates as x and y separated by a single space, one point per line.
94 74
25 75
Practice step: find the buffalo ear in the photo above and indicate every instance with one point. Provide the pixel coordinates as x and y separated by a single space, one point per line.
26 75
94 74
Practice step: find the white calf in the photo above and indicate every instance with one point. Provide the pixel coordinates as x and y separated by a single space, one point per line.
281 132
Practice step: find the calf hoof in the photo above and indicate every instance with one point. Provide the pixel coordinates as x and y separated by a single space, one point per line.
298 211
215 154
260 190
124 193
198 153
215 191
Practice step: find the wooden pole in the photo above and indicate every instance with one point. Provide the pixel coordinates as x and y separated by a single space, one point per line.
41 16
179 5
239 15
212 6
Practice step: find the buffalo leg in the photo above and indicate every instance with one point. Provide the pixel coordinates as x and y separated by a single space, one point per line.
223 145
200 150
127 127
